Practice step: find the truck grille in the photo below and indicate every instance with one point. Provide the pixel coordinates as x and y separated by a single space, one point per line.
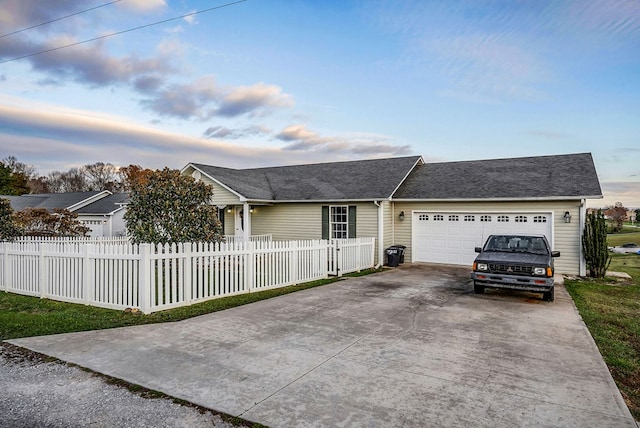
511 269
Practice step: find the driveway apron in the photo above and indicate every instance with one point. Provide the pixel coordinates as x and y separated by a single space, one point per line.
411 346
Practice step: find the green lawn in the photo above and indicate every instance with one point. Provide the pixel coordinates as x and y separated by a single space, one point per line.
617 239
611 310
23 316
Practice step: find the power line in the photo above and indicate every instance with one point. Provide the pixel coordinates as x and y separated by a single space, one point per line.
58 19
121 32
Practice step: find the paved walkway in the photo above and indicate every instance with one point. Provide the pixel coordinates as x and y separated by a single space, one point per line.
411 346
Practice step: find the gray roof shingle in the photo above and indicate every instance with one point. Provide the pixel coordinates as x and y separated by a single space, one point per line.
351 180
558 176
49 201
106 205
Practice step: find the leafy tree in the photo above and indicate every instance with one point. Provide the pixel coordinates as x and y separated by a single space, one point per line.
594 245
40 222
12 183
8 227
169 207
132 174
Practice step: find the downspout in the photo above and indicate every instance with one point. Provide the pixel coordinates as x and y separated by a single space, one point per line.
582 218
380 233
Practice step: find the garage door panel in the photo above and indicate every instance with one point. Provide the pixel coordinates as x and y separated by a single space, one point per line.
451 238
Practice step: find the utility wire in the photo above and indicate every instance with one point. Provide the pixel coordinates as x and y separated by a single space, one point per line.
121 32
58 19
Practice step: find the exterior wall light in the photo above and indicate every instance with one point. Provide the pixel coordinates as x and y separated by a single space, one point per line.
401 216
567 217
252 209
229 210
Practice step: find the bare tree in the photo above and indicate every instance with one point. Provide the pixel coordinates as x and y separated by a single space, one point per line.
70 181
102 176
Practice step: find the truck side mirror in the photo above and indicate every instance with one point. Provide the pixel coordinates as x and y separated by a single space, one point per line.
478 249
555 254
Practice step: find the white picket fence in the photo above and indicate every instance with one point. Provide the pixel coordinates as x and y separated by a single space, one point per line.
154 278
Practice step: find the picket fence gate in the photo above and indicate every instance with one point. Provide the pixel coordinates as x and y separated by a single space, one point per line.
158 277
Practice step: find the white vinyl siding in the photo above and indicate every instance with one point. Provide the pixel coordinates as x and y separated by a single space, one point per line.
566 236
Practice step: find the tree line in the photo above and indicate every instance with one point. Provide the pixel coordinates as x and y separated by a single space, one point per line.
18 178
164 206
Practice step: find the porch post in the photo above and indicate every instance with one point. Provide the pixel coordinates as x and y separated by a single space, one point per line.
246 219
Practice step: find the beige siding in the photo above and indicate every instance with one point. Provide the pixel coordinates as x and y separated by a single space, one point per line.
304 220
388 224
566 236
221 196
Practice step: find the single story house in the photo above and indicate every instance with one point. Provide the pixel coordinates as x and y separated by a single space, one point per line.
101 211
439 211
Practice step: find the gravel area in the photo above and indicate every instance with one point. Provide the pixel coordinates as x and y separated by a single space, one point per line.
37 392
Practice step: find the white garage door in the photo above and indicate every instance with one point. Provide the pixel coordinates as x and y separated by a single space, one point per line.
449 237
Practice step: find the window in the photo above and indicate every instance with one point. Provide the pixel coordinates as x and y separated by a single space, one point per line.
469 218
338 221
453 217
485 218
438 217
521 219
540 219
423 217
503 218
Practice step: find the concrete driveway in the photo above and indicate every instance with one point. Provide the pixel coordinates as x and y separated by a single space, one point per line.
412 346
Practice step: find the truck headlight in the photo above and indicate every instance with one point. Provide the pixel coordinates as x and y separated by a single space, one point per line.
482 266
539 271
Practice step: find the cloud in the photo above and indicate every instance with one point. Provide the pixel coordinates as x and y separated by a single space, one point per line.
223 132
618 191
143 5
55 138
301 139
204 99
251 99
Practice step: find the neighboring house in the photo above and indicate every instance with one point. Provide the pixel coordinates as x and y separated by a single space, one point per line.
439 211
101 211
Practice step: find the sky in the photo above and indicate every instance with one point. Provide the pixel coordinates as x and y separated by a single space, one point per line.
271 82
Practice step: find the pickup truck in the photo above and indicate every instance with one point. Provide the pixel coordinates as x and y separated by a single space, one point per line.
517 262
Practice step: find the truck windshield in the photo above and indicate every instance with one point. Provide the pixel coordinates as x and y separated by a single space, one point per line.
511 243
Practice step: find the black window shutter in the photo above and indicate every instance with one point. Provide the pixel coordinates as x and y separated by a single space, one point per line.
325 222
352 221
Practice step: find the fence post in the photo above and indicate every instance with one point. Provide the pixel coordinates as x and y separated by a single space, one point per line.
187 266
5 266
338 258
295 252
42 265
89 289
144 278
250 266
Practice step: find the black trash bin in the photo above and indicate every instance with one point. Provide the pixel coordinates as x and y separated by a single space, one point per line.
393 256
400 249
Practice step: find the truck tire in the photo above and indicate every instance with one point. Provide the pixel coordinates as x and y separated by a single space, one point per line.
478 288
548 296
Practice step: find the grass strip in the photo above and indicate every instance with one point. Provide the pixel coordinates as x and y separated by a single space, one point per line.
24 316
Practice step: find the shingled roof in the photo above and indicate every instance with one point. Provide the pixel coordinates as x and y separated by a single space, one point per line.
542 177
333 181
105 206
50 201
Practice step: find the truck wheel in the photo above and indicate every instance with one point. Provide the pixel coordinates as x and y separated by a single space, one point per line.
478 288
547 296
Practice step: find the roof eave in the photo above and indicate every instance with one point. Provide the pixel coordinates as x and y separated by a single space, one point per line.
542 198
239 195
